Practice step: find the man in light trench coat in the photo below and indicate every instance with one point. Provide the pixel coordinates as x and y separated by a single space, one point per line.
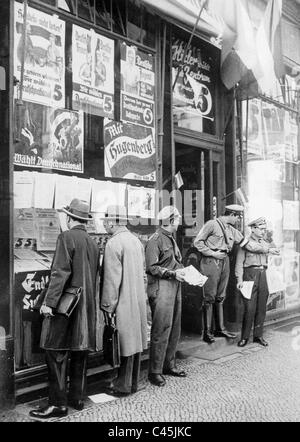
75 264
123 294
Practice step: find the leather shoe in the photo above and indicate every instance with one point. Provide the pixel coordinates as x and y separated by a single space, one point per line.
171 372
261 341
225 334
117 393
209 339
77 404
49 411
156 379
242 342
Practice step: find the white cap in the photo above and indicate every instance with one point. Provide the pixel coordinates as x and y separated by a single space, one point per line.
168 213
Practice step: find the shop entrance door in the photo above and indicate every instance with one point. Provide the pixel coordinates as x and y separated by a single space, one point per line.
200 197
192 164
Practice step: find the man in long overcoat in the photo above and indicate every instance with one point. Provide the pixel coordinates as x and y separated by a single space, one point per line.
123 295
75 264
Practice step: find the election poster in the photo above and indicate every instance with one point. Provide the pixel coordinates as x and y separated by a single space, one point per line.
93 72
137 86
43 54
252 128
49 138
193 80
129 151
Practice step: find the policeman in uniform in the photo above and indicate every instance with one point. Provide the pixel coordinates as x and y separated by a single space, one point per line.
215 240
163 267
251 266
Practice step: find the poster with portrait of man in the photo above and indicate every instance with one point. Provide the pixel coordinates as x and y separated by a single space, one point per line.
44 56
137 86
93 72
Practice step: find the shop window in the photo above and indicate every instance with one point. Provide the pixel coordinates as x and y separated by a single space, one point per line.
103 13
86 9
67 5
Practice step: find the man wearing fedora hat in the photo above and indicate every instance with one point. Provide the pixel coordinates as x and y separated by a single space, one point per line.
123 297
75 264
251 266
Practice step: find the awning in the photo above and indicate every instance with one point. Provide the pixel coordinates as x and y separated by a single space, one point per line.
185 11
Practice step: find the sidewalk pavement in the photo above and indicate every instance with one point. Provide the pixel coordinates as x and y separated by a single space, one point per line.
224 383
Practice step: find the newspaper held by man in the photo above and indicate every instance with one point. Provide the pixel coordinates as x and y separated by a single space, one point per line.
193 277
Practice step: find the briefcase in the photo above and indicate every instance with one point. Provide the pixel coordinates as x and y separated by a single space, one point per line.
111 345
68 301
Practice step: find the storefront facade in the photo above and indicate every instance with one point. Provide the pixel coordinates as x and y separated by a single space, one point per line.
112 102
268 168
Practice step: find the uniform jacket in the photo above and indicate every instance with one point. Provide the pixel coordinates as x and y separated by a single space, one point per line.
162 255
211 237
123 290
248 258
75 263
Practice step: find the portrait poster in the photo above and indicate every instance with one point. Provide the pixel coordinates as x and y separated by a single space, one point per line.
129 151
273 125
44 59
194 83
93 72
49 138
141 201
137 86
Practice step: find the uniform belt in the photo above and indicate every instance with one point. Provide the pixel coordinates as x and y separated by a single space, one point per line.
257 267
219 250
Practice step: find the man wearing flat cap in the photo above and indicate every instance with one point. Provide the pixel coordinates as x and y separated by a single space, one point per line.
251 266
75 264
123 297
215 240
164 269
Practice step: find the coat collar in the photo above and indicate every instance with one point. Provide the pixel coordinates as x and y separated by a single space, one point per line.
79 227
121 229
165 232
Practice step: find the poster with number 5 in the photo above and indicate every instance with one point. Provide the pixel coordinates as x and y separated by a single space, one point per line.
44 57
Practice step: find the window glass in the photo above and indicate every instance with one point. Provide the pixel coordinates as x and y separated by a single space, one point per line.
194 73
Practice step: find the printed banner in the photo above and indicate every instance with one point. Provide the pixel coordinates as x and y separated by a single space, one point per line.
129 151
137 86
93 72
194 91
44 57
28 287
50 138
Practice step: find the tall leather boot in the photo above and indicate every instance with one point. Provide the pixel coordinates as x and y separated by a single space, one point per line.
207 320
220 329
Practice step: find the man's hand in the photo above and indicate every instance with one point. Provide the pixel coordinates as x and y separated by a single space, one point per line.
219 255
46 311
179 275
274 251
240 285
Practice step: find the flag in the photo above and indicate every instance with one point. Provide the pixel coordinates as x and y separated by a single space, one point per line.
241 195
269 67
178 180
250 57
